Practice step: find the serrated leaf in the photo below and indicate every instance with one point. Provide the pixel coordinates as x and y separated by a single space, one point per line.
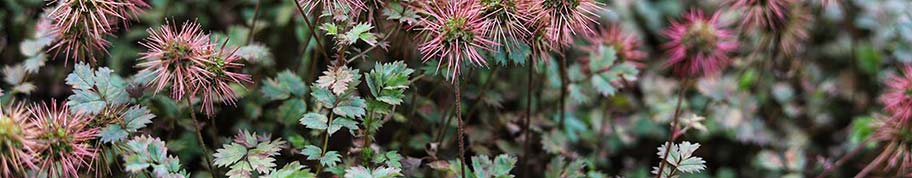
605 57
14 75
379 172
32 64
85 101
137 117
338 80
240 170
111 87
135 163
503 164
603 86
229 154
312 152
262 164
355 107
330 28
314 121
691 165
82 77
324 96
362 32
387 82
338 123
330 159
112 133
292 170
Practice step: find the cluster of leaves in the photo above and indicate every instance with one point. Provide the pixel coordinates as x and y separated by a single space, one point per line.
680 160
146 156
248 155
103 95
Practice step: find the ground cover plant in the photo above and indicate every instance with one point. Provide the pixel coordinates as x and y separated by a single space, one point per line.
456 88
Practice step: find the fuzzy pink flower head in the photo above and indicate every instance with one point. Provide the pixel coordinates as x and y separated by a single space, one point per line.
221 70
699 46
339 9
17 141
762 14
176 56
507 19
64 139
626 45
563 19
82 25
898 97
456 33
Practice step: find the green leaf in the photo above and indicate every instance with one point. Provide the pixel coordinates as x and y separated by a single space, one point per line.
112 133
32 64
387 82
82 77
680 158
292 170
85 101
338 123
111 87
330 159
261 164
395 11
605 57
351 108
323 95
312 152
314 121
135 163
379 172
603 86
137 117
229 154
360 31
503 164
240 170
330 28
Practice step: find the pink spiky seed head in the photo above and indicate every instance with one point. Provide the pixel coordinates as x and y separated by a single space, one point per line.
700 45
175 57
456 33
221 71
18 136
897 98
563 19
64 139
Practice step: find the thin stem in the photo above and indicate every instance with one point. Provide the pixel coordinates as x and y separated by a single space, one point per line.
199 136
844 158
528 120
313 28
674 128
461 127
253 23
368 122
325 140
